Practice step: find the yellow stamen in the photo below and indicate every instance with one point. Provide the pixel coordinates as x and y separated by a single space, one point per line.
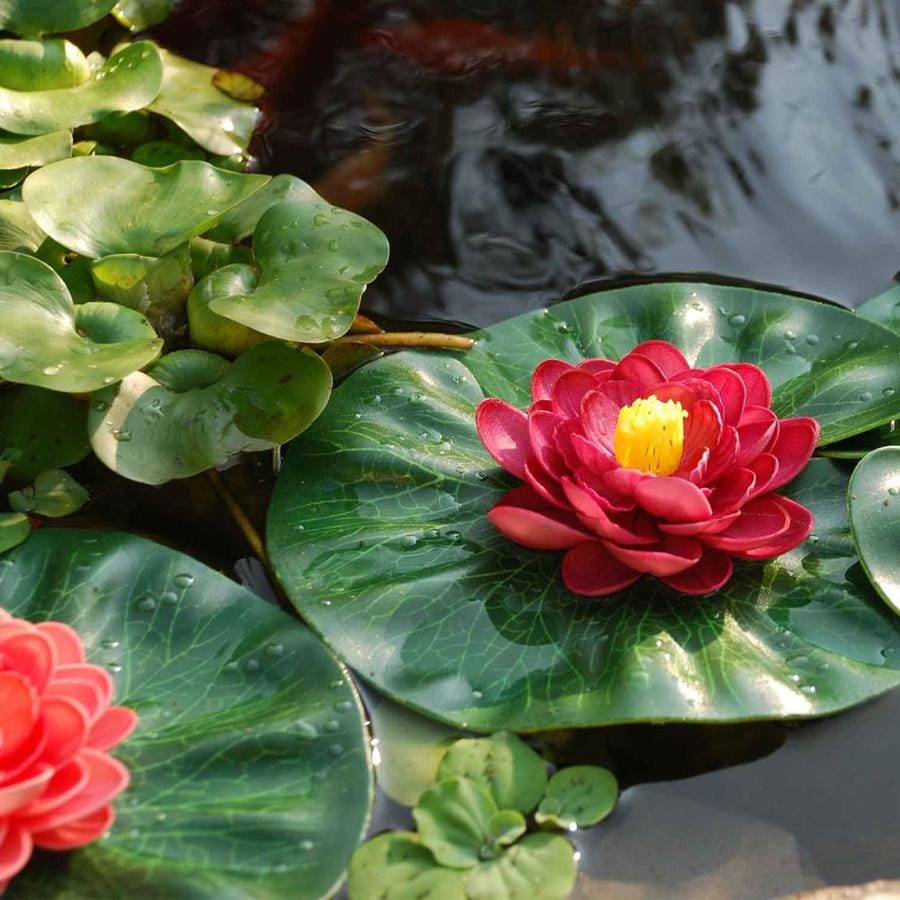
650 435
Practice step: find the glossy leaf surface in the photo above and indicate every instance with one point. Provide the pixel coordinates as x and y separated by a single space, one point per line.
415 589
578 797
36 17
17 151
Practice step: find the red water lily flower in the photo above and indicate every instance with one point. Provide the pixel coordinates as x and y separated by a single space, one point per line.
649 466
56 780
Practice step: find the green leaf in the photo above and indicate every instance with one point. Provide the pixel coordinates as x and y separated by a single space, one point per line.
74 270
454 818
189 98
395 866
207 256
137 15
17 151
14 529
883 310
249 766
874 499
314 262
193 410
859 445
37 17
18 230
47 429
505 766
539 867
128 80
416 590
215 332
55 493
578 797
344 358
45 340
506 827
101 205
164 153
122 129
42 65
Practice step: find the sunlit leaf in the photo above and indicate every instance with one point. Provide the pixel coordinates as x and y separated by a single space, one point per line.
14 528
37 17
54 493
137 15
16 150
578 797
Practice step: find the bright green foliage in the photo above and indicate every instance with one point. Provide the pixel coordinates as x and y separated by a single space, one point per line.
858 446
314 262
194 410
140 14
45 340
37 17
874 499
443 614
14 528
578 797
101 205
17 151
54 493
506 767
18 230
250 770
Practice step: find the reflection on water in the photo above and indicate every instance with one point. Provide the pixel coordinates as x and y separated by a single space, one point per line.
512 151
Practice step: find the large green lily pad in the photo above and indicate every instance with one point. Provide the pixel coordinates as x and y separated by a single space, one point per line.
194 410
874 500
37 17
47 341
128 80
102 205
314 262
188 97
250 773
399 569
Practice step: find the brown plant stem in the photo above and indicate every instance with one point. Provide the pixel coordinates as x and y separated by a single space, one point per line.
410 339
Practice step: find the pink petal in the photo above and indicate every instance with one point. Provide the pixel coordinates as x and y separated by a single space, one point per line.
546 486
20 706
569 391
67 781
79 833
723 456
65 724
546 375
503 430
15 796
622 393
592 511
112 728
69 649
599 368
702 432
761 521
667 357
670 556
799 529
673 499
756 383
591 571
542 435
15 851
523 517
711 572
624 481
25 755
712 525
99 678
599 417
688 389
30 654
731 390
793 447
732 491
639 370
83 693
765 468
758 427
592 456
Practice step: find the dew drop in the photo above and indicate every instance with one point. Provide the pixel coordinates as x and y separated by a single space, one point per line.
865 395
51 370
275 650
148 604
335 750
894 490
332 725
114 667
306 846
812 339
183 580
305 729
169 598
852 345
252 665
343 706
736 320
109 644
888 392
408 541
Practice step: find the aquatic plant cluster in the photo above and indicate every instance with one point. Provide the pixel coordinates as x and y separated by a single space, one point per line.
667 503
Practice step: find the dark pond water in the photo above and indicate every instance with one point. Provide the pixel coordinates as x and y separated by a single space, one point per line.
514 152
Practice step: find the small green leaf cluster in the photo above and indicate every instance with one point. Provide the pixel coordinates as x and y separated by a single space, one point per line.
473 840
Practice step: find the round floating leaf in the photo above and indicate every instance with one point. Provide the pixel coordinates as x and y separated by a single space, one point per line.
454 821
875 520
37 17
14 528
47 341
17 151
54 494
129 79
188 97
539 867
137 15
18 231
101 205
194 410
314 262
416 590
506 827
578 797
46 429
506 767
249 765
395 866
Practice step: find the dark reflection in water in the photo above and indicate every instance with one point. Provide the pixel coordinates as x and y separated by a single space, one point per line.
512 151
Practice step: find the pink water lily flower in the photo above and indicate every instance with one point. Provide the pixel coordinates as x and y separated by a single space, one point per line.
649 466
56 780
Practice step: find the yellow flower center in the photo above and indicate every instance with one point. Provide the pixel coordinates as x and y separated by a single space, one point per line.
650 436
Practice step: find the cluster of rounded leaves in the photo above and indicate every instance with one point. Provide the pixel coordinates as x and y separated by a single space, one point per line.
474 841
590 485
56 779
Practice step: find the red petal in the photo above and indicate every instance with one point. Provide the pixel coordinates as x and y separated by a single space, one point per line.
83 693
732 491
525 518
624 481
793 447
20 706
546 375
731 390
79 833
65 724
112 728
599 368
15 851
671 555
569 391
503 430
756 383
599 417
799 529
68 781
544 484
98 678
592 456
639 370
712 572
765 468
593 512
622 393
758 427
69 649
667 357
722 457
591 571
15 796
673 499
542 434
32 655
702 431
761 521
713 525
